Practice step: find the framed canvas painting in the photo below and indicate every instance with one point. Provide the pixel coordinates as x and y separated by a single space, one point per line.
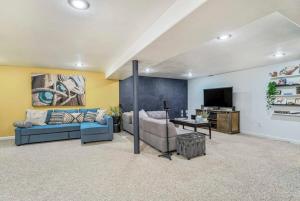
57 90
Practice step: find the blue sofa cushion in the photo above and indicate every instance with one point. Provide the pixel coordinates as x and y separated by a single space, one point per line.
84 111
88 128
68 111
35 130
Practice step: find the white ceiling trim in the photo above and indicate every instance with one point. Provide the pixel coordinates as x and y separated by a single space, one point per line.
178 11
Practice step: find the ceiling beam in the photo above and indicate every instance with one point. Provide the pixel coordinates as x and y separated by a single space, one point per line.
178 11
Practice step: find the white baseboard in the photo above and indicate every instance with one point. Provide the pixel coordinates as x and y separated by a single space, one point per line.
7 138
270 137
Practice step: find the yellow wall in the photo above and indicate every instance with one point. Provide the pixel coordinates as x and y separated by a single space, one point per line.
15 90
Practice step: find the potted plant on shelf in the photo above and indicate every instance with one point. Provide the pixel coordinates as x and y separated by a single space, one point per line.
271 92
115 113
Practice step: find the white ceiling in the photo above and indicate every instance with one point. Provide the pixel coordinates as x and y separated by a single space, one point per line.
52 34
252 45
173 37
190 45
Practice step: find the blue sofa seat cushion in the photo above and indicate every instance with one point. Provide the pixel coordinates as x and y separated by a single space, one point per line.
89 128
36 130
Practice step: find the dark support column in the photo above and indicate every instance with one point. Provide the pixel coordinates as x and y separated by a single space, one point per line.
136 130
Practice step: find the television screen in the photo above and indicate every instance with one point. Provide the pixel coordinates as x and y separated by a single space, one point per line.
221 97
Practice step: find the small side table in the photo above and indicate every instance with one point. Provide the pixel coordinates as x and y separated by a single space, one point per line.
191 145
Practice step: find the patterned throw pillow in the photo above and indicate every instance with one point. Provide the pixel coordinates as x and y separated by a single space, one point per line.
100 116
90 116
72 118
56 118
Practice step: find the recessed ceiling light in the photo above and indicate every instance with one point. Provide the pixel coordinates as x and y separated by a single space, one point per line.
79 65
224 37
190 74
279 54
147 70
79 4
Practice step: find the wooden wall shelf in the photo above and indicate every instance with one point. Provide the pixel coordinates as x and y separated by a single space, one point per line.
284 76
287 85
296 105
289 115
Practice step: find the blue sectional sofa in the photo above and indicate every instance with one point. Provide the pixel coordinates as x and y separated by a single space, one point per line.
86 131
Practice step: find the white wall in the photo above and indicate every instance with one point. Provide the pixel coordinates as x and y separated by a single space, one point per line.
249 89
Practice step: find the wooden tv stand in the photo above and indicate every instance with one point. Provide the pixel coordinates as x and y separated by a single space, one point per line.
223 121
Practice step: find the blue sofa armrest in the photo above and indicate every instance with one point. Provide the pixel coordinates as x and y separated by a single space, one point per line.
109 122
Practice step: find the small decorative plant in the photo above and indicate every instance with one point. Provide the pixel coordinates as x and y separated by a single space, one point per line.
115 112
204 114
271 92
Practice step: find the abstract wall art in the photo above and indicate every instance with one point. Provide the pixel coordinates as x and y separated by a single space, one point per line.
57 90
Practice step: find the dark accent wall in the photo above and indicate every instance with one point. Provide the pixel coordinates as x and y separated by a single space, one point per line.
152 93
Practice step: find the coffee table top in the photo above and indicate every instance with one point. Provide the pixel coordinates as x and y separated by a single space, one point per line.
188 122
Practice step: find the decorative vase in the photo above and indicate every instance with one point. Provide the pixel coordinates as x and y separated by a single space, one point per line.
199 119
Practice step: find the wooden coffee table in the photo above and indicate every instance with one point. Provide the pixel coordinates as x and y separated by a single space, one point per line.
193 124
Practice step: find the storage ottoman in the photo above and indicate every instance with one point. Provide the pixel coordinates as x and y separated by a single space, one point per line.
191 145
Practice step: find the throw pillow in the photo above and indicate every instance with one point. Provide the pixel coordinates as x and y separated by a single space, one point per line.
56 118
90 116
143 114
23 124
72 118
36 117
100 116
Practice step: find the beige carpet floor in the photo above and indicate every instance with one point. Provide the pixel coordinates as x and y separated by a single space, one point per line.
236 168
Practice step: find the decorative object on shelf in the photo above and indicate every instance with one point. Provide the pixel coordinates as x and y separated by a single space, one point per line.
290 101
271 92
274 74
57 90
297 101
280 101
279 92
288 70
282 81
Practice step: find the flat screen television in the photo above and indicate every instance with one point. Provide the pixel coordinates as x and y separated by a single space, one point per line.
221 97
